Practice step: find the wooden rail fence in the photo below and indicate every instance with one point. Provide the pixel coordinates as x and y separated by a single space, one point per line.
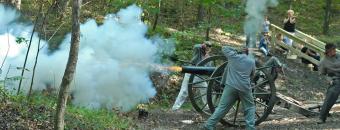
300 39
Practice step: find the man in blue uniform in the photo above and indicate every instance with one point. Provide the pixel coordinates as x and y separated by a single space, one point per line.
239 71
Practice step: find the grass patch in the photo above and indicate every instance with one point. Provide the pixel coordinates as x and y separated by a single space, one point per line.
82 118
168 105
40 112
330 39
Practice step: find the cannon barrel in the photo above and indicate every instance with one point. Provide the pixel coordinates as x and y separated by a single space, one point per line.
198 70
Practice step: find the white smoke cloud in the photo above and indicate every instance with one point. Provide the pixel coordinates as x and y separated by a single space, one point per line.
113 65
256 10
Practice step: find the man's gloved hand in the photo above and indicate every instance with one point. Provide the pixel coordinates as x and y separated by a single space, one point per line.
222 85
330 82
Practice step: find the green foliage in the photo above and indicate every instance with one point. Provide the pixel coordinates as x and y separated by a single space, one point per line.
228 15
82 118
20 40
21 68
166 105
310 16
42 109
14 78
150 7
330 39
3 93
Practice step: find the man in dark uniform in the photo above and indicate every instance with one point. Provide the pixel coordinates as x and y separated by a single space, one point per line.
330 66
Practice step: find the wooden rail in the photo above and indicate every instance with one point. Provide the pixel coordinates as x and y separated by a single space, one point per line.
298 52
299 39
311 39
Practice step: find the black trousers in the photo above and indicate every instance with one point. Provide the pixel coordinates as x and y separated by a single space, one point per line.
331 96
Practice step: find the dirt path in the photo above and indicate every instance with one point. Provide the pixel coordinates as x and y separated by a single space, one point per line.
190 120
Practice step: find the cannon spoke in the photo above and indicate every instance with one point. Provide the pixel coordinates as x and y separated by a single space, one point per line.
217 93
237 107
200 76
264 93
264 67
204 106
262 90
204 80
216 100
261 103
217 79
198 87
260 84
257 114
214 78
199 96
196 90
198 82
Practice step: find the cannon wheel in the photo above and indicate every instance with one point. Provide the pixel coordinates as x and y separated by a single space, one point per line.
264 92
196 92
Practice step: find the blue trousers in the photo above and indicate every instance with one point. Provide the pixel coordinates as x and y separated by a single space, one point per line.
229 97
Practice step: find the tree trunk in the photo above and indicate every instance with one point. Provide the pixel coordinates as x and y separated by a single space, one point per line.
155 22
60 6
41 29
34 67
327 17
209 24
157 16
226 5
200 14
70 68
28 49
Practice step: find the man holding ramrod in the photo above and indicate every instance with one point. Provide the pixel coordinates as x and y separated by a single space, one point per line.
236 81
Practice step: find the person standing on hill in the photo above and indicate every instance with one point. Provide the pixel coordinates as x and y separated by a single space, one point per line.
266 25
289 25
330 66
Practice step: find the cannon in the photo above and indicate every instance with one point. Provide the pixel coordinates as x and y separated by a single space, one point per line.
211 69
263 90
201 70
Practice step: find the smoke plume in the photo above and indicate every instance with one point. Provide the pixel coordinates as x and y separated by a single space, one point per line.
115 59
256 10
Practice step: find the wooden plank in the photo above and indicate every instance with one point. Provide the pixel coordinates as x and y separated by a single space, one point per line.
298 52
306 39
299 40
294 105
313 40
